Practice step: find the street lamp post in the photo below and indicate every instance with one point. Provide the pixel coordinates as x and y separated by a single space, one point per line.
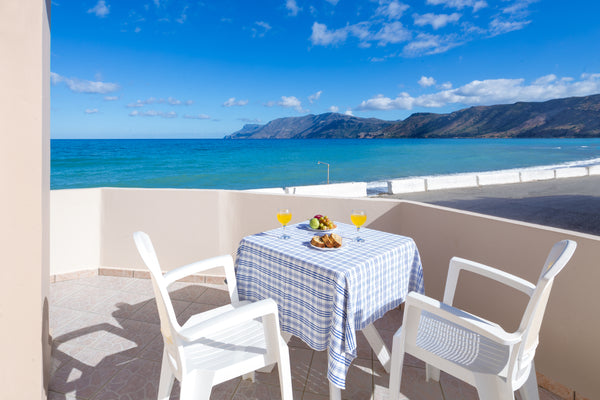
321 162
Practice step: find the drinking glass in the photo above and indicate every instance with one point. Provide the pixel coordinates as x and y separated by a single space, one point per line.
358 218
284 216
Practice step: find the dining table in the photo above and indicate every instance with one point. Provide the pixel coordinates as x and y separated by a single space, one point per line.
326 295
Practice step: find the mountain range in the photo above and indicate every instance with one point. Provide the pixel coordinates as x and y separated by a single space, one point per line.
572 117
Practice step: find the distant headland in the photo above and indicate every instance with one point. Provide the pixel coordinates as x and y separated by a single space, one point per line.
572 117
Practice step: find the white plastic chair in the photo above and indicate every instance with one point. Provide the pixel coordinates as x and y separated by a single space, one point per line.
473 349
216 345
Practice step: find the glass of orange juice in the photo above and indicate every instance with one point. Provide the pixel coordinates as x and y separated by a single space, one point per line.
358 218
284 216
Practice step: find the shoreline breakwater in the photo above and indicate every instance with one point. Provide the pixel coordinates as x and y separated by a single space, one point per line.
441 182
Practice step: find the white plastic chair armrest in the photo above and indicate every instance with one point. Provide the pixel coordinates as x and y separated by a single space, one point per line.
196 267
457 264
231 318
492 332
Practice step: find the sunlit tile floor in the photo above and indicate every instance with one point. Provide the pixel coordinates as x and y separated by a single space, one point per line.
107 345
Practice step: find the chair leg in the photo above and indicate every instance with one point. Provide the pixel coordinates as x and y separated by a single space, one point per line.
493 388
195 386
285 374
529 390
432 372
167 378
396 368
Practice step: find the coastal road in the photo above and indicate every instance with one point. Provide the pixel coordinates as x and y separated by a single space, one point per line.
570 203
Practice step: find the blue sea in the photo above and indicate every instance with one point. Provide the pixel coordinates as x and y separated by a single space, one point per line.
249 164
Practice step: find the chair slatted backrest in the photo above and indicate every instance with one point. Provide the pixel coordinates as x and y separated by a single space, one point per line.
168 320
559 256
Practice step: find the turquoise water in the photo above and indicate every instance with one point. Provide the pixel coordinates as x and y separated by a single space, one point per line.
247 164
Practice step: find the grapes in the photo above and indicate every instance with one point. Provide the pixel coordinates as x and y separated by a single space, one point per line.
325 223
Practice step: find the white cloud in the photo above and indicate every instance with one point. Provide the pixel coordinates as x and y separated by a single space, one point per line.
292 7
334 109
445 86
153 113
111 98
492 91
498 26
261 29
84 86
333 2
183 15
100 9
314 97
233 102
251 120
290 102
435 20
392 33
348 112
460 4
91 110
426 81
198 116
388 32
392 10
322 36
426 43
518 7
153 100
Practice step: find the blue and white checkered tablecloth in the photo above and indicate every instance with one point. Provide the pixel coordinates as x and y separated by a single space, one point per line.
323 296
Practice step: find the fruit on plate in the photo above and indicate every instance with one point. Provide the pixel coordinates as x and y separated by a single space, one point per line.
322 222
314 223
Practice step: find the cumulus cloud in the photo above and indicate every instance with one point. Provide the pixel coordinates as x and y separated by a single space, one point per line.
426 81
314 97
292 7
84 86
460 4
290 102
348 112
380 25
324 37
100 9
233 102
435 20
334 109
392 10
111 98
153 113
91 110
492 91
198 116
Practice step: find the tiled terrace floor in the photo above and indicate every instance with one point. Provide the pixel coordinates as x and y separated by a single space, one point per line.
107 346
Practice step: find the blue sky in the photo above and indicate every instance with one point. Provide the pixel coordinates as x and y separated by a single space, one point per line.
179 68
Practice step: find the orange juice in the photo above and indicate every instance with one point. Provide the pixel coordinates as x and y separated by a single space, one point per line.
284 218
358 219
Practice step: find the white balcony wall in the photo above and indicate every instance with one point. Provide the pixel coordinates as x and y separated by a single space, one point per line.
187 225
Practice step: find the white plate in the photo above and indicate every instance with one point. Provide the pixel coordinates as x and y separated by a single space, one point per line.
326 248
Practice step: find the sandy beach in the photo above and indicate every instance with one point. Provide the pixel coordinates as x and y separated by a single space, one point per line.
572 203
